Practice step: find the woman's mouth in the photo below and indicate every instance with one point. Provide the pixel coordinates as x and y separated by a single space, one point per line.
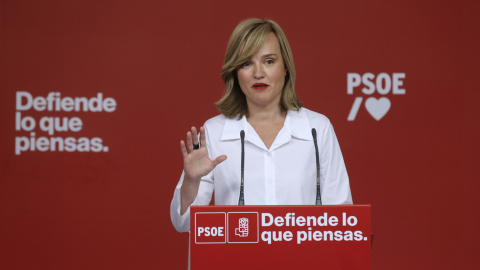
260 86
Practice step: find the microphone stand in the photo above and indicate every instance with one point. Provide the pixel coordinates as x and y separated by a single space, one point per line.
318 200
241 200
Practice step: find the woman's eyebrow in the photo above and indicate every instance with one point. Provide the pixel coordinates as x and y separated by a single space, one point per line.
269 55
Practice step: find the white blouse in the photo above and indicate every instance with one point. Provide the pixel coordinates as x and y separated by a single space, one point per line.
285 174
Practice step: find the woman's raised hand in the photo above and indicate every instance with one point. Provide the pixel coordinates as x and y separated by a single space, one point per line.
196 164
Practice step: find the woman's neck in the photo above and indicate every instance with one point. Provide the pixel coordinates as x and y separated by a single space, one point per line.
267 124
263 115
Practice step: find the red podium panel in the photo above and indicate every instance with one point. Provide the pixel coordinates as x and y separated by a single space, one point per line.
280 237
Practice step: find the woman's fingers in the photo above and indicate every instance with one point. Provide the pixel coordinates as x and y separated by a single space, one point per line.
184 149
189 142
197 162
194 137
219 160
203 142
192 140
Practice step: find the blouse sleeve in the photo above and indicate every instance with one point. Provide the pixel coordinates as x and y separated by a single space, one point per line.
204 196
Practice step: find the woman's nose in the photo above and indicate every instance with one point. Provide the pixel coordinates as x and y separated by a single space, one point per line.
258 72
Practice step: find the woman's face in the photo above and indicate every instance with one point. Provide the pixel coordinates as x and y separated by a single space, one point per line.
262 77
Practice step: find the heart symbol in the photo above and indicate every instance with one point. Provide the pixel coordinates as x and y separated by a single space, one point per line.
377 107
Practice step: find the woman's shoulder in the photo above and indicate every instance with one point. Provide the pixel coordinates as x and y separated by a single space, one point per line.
315 118
216 121
219 126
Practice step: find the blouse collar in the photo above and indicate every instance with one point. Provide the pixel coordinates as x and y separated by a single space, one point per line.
296 125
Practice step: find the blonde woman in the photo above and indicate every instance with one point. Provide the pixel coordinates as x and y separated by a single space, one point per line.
280 158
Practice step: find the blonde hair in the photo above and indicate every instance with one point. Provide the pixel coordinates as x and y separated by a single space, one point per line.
246 40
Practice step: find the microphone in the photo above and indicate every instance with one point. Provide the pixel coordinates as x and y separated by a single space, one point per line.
241 200
319 197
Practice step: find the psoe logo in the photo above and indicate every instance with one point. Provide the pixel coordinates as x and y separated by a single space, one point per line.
242 229
382 83
210 228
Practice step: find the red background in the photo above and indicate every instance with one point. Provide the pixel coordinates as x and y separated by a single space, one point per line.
161 60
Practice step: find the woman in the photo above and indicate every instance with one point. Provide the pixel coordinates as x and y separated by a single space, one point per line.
280 164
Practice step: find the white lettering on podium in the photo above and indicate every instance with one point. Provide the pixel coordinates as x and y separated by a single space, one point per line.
291 220
269 236
210 231
312 232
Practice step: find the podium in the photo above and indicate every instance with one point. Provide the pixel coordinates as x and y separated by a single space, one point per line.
280 237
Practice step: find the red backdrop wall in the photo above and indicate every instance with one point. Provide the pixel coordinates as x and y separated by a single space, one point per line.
103 202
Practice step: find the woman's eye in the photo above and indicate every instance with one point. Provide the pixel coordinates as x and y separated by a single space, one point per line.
246 64
270 61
